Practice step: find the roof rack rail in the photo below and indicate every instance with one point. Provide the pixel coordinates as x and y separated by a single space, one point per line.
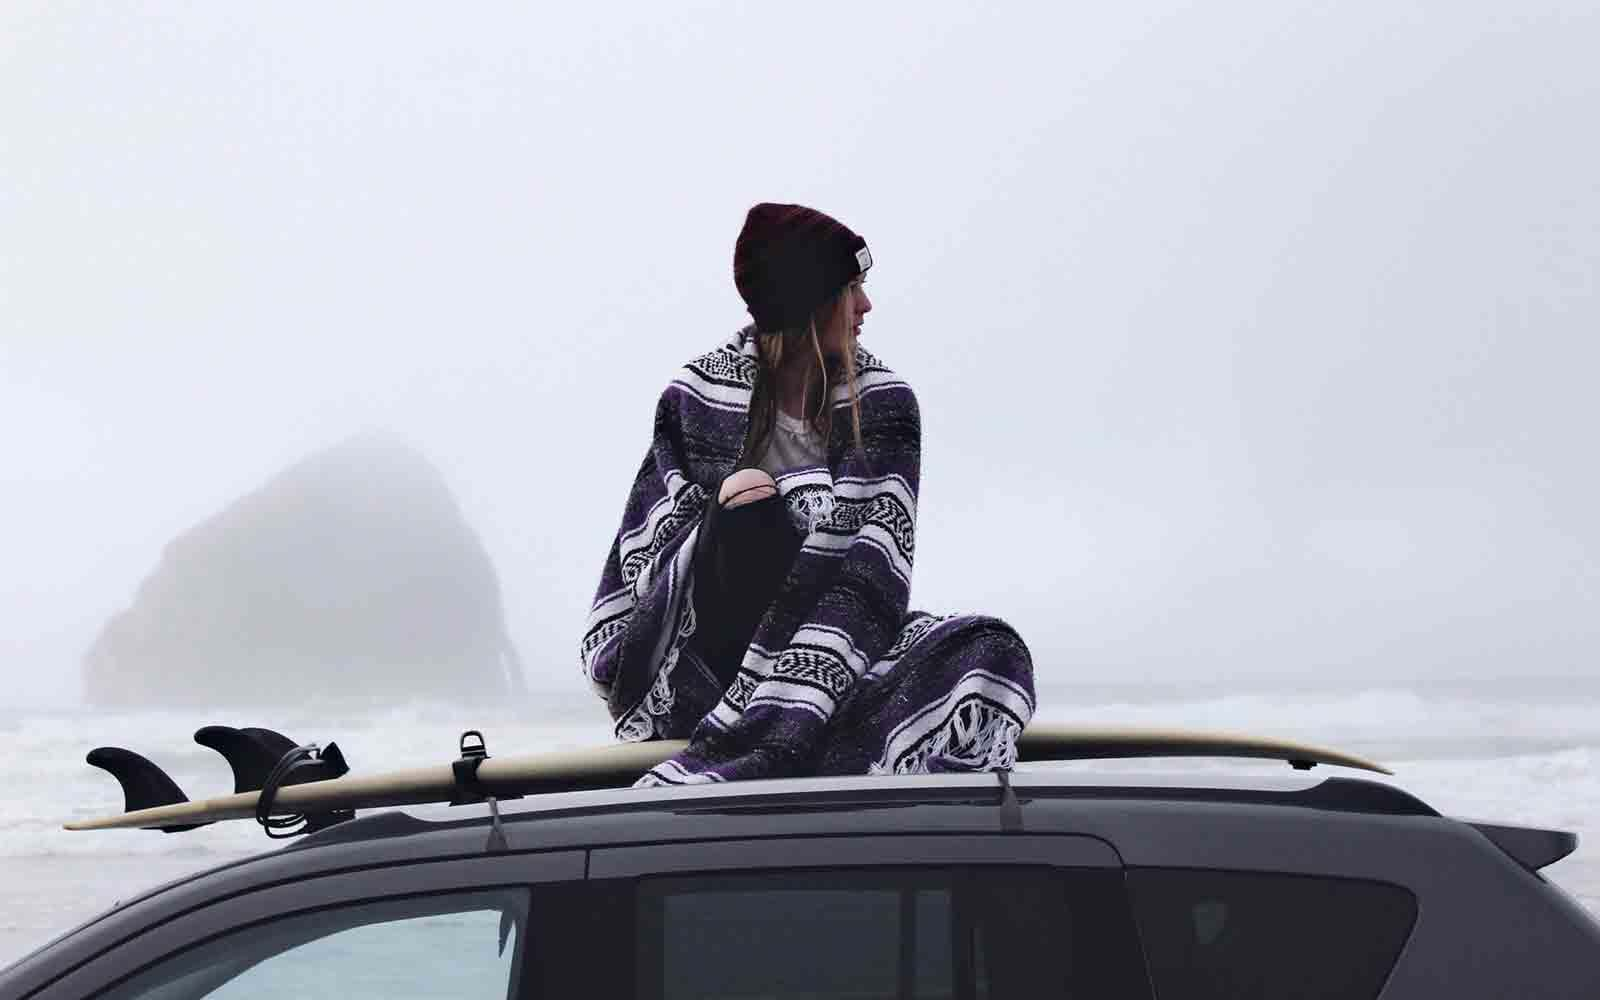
1040 743
1333 794
477 777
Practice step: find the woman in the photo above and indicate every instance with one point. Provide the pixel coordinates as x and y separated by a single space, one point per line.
755 598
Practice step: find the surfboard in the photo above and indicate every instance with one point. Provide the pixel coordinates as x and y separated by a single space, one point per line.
620 764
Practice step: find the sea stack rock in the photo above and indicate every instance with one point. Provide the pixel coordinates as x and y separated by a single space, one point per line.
352 573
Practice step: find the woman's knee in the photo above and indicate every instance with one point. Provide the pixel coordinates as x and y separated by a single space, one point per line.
746 486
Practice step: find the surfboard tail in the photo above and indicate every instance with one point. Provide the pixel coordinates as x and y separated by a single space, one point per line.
261 759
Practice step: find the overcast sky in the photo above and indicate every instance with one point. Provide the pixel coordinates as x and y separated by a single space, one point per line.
1254 342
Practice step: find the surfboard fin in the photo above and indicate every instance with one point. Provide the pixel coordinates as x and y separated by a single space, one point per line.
144 784
252 753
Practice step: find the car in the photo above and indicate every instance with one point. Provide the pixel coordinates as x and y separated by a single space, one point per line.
1034 883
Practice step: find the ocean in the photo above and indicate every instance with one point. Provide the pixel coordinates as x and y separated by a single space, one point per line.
1527 756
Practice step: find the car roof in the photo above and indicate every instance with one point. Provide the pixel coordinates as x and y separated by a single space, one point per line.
864 805
1147 817
1292 823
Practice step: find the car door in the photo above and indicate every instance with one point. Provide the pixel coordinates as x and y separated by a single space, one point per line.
993 916
462 927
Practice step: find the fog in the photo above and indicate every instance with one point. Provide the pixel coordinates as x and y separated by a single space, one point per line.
1255 343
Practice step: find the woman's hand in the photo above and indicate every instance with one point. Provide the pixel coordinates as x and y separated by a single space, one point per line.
745 486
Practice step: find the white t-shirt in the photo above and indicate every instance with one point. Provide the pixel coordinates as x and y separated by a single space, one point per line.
793 445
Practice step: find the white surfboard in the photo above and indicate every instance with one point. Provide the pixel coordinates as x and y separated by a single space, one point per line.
620 764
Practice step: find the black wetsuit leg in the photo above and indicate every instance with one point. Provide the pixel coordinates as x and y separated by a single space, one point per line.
741 561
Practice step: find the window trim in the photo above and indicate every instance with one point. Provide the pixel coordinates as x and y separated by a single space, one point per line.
1053 850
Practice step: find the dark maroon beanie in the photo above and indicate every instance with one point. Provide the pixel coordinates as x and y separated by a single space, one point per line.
790 259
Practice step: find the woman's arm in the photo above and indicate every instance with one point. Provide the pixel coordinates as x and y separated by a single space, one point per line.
634 599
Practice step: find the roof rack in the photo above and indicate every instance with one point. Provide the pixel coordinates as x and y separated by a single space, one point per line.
308 786
1039 743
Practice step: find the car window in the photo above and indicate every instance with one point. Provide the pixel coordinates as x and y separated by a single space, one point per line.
987 932
1219 935
449 945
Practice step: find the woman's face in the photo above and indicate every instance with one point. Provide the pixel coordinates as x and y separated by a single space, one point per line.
844 326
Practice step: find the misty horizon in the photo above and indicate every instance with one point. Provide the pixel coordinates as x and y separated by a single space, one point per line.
1253 345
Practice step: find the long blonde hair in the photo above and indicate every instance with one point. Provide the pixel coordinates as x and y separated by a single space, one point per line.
800 345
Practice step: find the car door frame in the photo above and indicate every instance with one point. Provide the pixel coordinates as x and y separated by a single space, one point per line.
169 937
625 868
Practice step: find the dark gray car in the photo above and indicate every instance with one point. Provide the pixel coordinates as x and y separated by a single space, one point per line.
958 886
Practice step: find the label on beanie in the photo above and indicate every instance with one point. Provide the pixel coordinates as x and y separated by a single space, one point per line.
864 258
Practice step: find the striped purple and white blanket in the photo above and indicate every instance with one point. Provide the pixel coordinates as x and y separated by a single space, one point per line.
840 677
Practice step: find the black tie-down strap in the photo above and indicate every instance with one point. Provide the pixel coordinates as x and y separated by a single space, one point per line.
468 789
299 765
